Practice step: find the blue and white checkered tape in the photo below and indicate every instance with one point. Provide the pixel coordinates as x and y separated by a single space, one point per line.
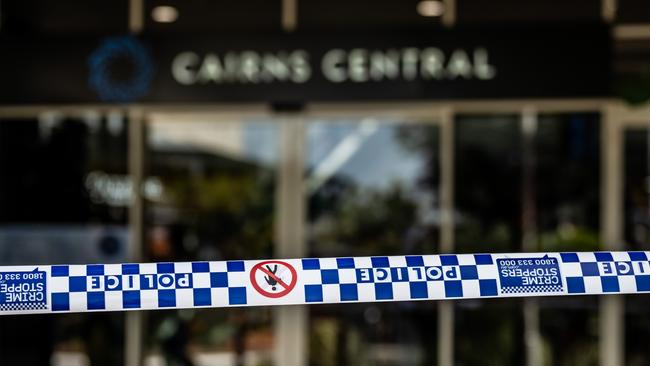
117 287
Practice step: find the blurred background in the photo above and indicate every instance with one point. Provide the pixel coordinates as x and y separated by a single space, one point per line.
149 130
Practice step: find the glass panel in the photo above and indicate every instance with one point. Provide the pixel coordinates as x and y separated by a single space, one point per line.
489 332
637 189
568 175
488 153
63 199
373 190
212 198
487 180
563 190
569 327
637 330
637 237
568 212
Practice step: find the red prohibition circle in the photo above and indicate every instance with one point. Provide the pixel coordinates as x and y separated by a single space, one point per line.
287 286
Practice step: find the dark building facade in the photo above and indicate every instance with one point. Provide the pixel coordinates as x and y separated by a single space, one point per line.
170 131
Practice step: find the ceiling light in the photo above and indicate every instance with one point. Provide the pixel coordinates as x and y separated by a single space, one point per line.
164 14
430 8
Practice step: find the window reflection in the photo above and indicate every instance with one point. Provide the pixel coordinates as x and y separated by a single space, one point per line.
489 332
373 334
637 188
637 237
563 180
364 174
216 202
568 175
47 216
569 328
488 185
568 205
372 188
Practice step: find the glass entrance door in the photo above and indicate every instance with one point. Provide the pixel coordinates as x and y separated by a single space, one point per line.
636 224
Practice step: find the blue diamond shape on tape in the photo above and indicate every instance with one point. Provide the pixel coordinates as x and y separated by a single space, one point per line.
589 268
414 261
60 302
483 258
604 257
310 263
610 284
218 279
488 287
200 267
638 256
329 276
165 267
383 291
95 269
449 260
313 293
575 285
344 262
453 289
202 297
131 299
60 271
468 272
95 300
77 283
569 257
237 295
418 290
379 262
349 292
130 268
235 266
642 283
166 298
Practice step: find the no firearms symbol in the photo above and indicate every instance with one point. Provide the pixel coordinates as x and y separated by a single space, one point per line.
273 278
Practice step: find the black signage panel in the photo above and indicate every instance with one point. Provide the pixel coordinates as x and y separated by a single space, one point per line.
451 64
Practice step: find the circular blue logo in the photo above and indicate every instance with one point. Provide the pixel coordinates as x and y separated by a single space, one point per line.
109 59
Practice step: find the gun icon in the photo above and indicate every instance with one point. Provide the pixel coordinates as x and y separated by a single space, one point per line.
269 279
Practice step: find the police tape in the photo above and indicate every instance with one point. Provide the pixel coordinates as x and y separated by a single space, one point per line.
131 286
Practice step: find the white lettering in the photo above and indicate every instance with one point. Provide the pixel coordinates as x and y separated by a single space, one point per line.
482 68
250 67
431 63
181 67
409 63
299 61
332 66
459 65
275 67
358 65
211 69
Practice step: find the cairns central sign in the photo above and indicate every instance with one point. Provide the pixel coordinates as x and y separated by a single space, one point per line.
358 65
448 64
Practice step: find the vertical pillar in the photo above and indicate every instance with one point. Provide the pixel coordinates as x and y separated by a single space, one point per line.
291 322
532 336
133 326
611 318
446 308
608 10
449 14
134 319
136 16
289 15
